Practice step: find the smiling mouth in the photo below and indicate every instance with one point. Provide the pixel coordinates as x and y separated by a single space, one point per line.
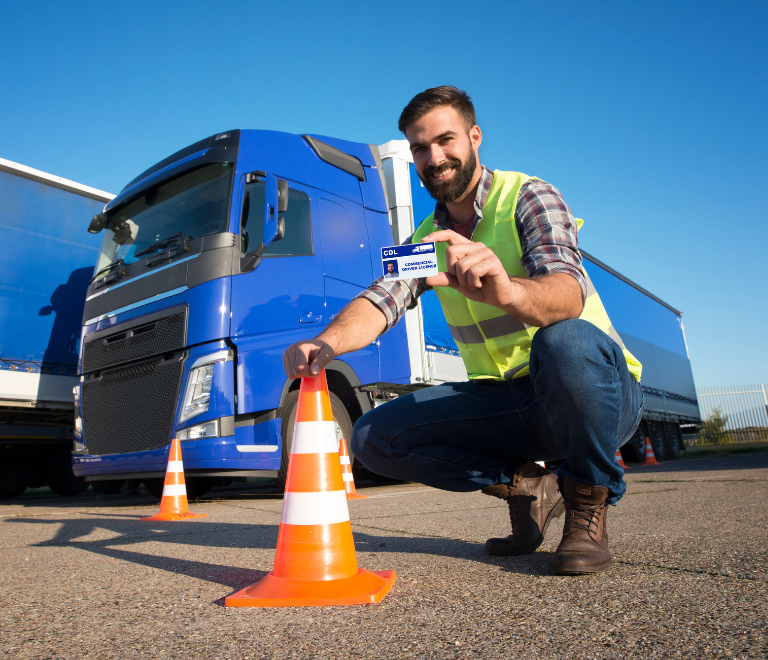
443 174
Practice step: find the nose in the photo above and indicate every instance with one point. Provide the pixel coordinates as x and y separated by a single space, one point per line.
436 155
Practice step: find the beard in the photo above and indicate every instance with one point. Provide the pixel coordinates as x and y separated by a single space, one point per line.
449 191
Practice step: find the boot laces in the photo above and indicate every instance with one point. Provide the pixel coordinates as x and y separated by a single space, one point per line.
585 516
515 502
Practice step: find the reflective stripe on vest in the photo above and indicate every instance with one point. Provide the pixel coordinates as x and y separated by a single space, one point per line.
493 344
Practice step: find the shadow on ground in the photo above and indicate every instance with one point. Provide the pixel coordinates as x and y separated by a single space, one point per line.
248 536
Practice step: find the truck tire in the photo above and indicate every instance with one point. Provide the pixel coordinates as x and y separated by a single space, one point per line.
66 484
656 435
674 440
287 414
634 450
111 487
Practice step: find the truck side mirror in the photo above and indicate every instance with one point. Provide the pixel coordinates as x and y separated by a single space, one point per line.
271 196
98 223
282 194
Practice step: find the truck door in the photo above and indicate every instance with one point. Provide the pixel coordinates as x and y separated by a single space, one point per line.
279 302
347 265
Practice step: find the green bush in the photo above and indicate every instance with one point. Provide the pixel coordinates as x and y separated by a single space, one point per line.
712 431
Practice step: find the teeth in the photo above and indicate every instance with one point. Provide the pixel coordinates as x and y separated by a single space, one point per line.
442 173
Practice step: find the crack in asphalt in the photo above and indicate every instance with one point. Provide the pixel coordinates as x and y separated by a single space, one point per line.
694 481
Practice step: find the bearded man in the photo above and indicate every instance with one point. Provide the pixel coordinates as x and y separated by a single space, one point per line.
549 378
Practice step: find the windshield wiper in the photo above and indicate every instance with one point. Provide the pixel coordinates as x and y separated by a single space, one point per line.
180 238
114 272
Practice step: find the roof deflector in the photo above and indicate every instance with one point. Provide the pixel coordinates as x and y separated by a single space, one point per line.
337 158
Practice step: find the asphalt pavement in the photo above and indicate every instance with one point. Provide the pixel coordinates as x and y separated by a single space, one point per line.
84 578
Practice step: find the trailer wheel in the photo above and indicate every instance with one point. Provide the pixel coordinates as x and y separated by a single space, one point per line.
67 484
287 414
634 450
656 435
674 440
11 492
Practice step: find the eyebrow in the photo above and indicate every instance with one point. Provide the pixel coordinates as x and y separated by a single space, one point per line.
437 139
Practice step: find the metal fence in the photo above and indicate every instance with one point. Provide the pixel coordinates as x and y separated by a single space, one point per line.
738 413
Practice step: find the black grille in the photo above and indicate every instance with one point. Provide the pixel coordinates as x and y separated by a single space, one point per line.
131 409
153 338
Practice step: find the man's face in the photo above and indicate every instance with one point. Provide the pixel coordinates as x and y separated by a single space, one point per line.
444 152
391 267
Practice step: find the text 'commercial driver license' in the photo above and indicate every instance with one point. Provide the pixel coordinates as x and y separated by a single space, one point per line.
405 262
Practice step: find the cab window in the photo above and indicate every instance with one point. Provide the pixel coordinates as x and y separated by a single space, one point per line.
298 223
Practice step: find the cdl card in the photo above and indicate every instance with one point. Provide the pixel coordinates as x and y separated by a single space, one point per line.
405 262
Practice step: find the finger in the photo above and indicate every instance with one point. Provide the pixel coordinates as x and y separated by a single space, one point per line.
287 364
472 268
323 357
301 360
443 279
446 236
455 253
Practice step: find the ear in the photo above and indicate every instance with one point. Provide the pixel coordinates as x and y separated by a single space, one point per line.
475 137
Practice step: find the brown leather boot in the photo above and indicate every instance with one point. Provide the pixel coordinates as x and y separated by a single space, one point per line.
584 548
534 499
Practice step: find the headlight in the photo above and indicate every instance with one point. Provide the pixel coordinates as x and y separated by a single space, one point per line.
198 394
78 419
204 430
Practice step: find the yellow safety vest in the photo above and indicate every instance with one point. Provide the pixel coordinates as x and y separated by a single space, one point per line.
493 344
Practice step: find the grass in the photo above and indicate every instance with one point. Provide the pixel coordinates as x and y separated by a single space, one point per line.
724 450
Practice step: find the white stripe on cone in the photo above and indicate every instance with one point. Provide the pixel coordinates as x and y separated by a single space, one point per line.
321 508
172 490
314 438
175 466
347 476
344 460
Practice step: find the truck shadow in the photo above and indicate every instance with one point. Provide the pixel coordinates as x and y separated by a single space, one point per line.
67 303
124 531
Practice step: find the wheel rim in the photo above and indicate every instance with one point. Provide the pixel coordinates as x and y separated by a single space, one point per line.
638 441
657 440
673 439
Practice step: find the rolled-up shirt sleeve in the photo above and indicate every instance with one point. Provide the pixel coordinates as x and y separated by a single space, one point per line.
394 297
547 231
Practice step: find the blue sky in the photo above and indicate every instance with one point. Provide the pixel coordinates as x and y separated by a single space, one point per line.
650 117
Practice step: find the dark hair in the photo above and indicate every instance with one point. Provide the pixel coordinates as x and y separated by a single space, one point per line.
435 97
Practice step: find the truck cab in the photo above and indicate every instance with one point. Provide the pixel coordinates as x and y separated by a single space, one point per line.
212 262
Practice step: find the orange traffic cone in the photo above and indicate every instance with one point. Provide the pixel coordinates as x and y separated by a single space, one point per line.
650 458
620 460
346 473
315 561
173 504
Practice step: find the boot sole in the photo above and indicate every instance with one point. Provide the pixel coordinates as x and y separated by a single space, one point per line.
556 512
584 570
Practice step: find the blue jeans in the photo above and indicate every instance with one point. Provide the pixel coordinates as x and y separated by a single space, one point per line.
580 403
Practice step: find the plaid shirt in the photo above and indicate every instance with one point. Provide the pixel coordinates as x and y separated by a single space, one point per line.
547 232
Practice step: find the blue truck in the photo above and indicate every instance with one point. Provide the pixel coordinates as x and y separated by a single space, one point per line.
217 258
46 267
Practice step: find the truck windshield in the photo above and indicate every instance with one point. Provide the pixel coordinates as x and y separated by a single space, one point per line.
195 203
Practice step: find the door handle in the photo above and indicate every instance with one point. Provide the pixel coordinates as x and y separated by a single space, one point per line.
309 316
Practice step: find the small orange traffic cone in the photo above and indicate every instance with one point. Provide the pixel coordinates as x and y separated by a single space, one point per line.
315 561
620 460
346 473
650 458
173 503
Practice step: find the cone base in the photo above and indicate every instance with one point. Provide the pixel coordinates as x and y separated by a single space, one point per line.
271 591
176 516
356 496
